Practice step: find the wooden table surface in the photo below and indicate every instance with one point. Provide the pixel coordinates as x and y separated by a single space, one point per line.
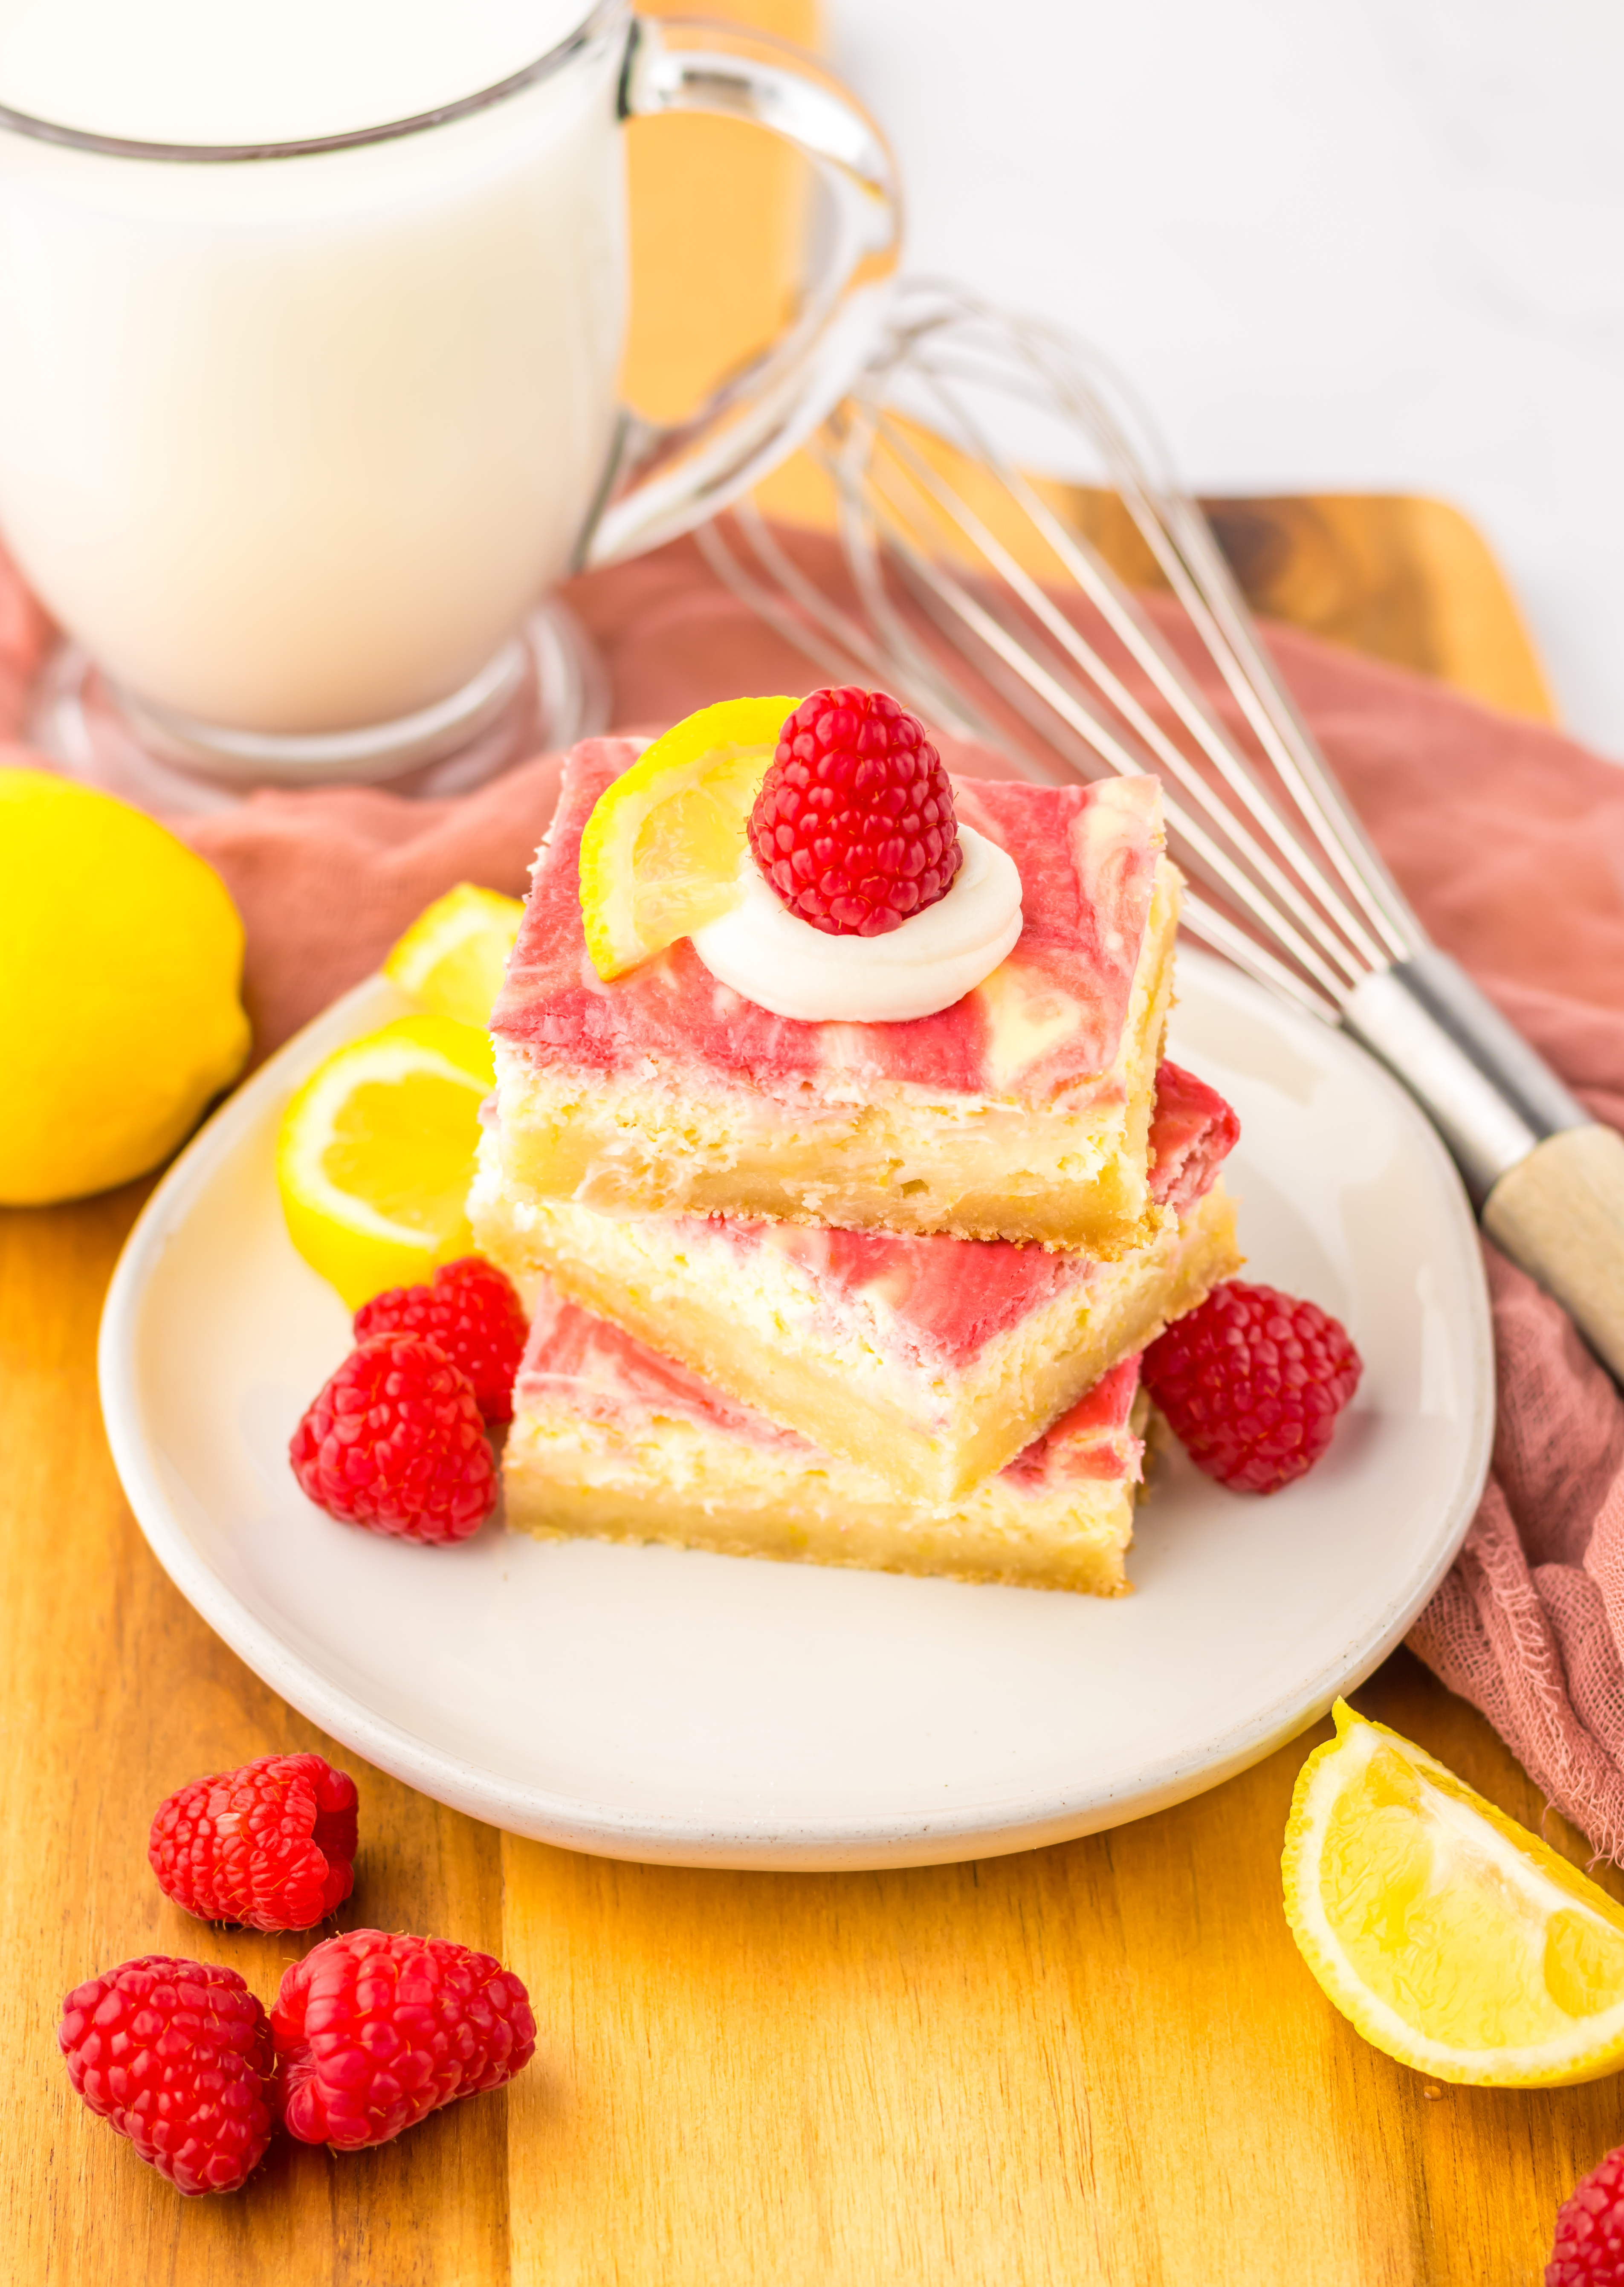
1102 2061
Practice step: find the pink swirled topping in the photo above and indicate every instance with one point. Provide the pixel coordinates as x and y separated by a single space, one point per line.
603 1375
1045 1027
1192 1133
941 1299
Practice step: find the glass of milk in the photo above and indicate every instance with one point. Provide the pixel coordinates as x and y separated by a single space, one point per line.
308 354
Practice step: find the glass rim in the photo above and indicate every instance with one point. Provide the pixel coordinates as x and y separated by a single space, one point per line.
599 18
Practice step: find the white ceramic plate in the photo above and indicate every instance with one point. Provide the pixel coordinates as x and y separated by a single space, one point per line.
660 1704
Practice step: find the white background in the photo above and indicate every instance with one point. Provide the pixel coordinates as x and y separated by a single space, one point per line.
1336 244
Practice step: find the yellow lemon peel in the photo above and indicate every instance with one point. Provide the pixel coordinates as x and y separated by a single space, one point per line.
1447 1934
121 956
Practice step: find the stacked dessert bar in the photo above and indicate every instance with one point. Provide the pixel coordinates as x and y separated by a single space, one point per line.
861 1294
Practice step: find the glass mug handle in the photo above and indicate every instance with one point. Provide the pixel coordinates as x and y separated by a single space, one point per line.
664 480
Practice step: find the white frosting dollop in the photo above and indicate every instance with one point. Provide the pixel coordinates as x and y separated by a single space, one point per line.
783 964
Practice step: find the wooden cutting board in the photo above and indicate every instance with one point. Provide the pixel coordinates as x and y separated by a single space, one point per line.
1100 2062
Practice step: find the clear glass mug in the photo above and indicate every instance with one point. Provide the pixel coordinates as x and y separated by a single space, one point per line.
294 438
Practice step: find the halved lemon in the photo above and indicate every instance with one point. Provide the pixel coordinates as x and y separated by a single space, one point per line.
1452 1937
662 849
452 958
377 1152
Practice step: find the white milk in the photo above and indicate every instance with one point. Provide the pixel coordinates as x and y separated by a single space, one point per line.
290 446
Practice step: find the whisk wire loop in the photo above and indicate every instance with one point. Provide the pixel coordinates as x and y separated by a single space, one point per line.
1291 873
1256 856
942 336
990 601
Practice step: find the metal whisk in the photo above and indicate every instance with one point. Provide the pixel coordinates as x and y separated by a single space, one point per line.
977 597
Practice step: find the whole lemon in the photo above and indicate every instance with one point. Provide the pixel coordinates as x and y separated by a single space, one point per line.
121 954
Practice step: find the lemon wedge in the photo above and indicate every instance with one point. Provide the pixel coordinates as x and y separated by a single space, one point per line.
660 851
451 960
1452 1937
377 1152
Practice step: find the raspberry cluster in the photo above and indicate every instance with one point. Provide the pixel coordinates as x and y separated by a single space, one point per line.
395 1441
854 825
371 2032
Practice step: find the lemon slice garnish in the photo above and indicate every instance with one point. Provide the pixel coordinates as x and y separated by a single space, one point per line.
1452 1937
452 958
661 852
377 1152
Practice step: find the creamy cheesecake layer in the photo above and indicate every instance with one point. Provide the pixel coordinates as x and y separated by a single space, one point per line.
931 1361
611 1442
1021 1113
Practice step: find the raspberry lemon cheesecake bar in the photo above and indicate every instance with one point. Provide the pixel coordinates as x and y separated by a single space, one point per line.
611 1441
929 1361
840 990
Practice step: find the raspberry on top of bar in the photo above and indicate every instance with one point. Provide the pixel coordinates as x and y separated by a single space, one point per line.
1021 1112
1048 1023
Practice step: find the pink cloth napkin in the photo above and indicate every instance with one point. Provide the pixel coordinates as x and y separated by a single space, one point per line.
1529 1621
1507 837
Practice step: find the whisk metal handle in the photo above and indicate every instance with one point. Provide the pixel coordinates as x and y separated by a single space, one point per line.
1491 1095
1548 1179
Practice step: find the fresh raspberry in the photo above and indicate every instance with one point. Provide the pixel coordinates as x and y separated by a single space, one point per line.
854 825
395 1442
473 1314
268 1845
178 2056
1251 1383
374 2032
1589 2249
